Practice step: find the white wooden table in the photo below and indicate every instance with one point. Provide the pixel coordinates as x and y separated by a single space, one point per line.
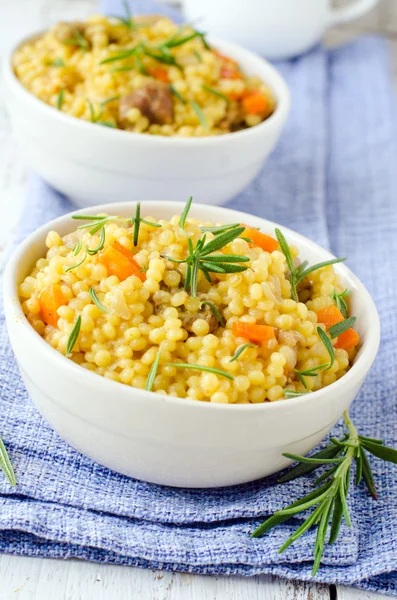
43 579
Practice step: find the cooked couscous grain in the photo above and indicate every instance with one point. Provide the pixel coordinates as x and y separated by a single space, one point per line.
250 341
146 75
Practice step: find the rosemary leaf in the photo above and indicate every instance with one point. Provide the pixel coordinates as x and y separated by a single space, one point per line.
120 56
294 394
383 452
177 94
219 228
311 459
215 311
290 263
101 244
60 98
200 368
328 346
109 100
222 240
77 248
96 300
199 113
58 62
6 466
74 334
137 222
78 263
241 349
329 451
185 213
326 263
153 371
216 93
339 328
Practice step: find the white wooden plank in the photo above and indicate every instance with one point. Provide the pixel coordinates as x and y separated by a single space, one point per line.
346 593
39 579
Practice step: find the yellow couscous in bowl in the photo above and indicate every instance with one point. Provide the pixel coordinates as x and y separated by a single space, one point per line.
146 75
219 313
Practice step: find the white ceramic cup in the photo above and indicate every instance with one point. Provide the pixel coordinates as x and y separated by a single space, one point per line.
275 29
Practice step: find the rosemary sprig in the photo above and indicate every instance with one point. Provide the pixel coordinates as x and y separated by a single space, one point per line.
340 300
137 220
96 300
60 98
215 311
109 100
329 500
200 368
185 213
6 466
216 93
201 258
74 334
341 327
296 275
241 349
199 113
216 230
175 41
177 94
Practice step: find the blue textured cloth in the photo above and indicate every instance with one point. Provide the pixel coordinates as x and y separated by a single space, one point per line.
333 178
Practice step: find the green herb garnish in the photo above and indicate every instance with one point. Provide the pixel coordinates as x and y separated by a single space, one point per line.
215 311
340 300
80 261
216 93
74 334
120 56
58 62
294 394
175 41
201 258
96 300
109 100
200 368
6 466
153 371
341 327
219 228
329 500
107 124
77 40
241 349
177 94
60 98
199 114
296 275
314 371
197 55
185 213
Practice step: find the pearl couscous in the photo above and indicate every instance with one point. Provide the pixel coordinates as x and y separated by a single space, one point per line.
146 75
222 314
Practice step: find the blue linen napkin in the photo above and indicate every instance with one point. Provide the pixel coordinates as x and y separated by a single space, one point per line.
332 177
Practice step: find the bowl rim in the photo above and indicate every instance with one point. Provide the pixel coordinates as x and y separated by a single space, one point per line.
357 372
275 81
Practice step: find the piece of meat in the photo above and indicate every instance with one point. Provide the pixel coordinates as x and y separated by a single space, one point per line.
189 318
154 100
289 338
66 31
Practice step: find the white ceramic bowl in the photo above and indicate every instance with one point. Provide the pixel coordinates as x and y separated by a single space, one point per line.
93 164
173 441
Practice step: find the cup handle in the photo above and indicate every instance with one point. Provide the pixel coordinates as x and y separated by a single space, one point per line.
343 14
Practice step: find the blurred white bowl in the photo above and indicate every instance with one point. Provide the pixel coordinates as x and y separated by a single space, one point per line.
174 441
93 164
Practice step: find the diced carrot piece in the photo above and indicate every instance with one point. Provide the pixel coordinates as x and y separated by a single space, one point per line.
348 339
255 103
159 73
51 298
230 72
254 333
120 262
266 242
330 316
